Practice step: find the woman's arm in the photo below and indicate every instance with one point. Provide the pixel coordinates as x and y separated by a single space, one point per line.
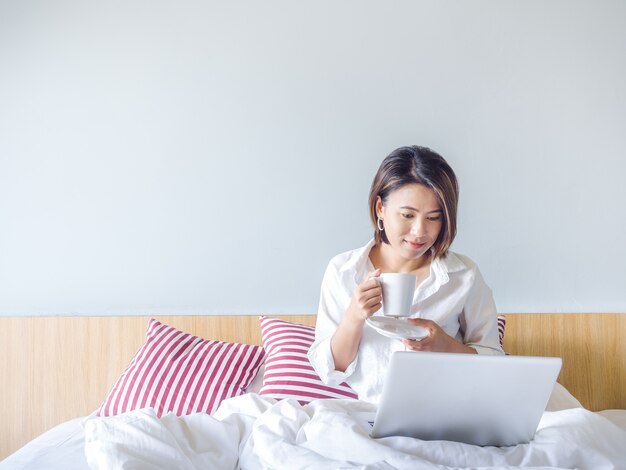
339 328
366 301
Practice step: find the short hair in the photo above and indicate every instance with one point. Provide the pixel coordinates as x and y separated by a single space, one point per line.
418 165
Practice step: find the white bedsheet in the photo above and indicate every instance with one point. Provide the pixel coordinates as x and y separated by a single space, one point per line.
252 432
59 448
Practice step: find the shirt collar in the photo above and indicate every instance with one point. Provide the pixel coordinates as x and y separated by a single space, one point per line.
359 258
451 263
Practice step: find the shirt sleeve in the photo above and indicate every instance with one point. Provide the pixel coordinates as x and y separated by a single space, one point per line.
333 303
480 319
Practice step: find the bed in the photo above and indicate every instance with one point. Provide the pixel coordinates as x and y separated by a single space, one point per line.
62 370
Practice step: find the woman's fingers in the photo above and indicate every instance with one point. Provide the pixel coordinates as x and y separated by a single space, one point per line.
370 284
418 344
370 294
437 340
374 273
371 301
424 344
423 322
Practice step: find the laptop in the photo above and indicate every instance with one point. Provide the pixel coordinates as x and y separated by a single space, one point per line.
476 399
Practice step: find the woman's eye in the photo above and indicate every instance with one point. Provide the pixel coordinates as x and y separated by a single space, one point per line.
435 218
407 216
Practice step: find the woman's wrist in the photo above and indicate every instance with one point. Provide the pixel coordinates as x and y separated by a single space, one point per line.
354 317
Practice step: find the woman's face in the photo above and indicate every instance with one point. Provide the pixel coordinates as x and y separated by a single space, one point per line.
412 219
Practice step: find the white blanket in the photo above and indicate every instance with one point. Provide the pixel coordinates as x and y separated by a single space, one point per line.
251 432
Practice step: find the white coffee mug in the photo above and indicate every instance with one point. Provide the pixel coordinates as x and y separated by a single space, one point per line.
398 290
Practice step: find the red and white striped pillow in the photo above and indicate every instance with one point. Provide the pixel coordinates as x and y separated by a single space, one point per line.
501 326
180 373
288 372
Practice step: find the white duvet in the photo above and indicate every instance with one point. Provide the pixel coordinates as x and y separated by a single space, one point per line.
252 432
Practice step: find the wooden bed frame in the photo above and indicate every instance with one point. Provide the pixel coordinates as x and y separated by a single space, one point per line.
58 368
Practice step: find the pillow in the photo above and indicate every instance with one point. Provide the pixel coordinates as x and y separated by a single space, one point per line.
177 372
288 372
257 382
501 325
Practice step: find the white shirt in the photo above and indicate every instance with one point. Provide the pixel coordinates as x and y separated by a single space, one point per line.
454 295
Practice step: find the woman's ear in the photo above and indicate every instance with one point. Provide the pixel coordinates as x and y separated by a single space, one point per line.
379 206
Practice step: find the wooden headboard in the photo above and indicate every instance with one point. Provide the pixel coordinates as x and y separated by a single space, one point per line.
58 368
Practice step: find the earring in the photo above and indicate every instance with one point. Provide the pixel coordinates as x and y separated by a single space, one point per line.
379 222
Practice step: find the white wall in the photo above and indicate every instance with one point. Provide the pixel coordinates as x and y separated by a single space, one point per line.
211 157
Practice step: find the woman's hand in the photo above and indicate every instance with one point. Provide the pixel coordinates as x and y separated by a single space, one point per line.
437 339
366 299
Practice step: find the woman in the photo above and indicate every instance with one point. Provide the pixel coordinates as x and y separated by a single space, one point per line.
413 207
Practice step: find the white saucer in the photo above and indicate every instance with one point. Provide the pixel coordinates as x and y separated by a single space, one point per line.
396 328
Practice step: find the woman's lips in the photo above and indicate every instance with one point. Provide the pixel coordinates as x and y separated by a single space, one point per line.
415 246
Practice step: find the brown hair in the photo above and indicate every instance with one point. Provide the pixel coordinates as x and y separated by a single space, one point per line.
418 165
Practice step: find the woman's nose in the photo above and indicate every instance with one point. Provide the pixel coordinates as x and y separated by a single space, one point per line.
417 228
